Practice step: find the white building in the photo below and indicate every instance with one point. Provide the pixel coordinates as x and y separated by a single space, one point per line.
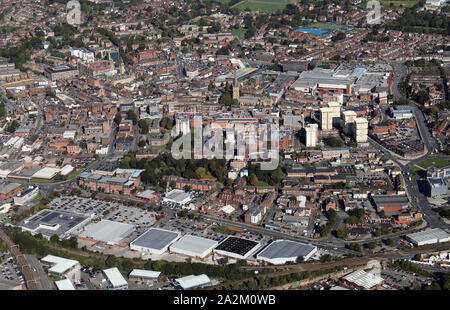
312 135
193 281
64 285
63 267
177 196
26 195
115 279
429 236
361 129
182 126
283 251
84 54
192 246
154 241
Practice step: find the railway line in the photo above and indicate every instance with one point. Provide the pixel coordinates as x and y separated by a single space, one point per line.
20 260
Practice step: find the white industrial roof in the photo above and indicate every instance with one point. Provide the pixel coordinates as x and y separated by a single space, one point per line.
364 279
115 277
66 169
177 195
193 244
429 234
46 173
61 264
228 209
107 231
193 281
64 285
144 273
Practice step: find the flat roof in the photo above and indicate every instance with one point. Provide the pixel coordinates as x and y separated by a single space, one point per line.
429 234
237 245
193 281
140 273
286 248
108 231
364 279
115 277
46 173
156 238
46 219
64 285
193 244
61 264
177 195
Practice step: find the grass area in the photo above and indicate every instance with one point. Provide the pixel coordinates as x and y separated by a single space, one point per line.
397 3
267 6
74 174
434 162
239 32
263 184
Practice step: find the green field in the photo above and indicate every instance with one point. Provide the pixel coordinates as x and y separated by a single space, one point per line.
239 32
434 162
397 3
267 6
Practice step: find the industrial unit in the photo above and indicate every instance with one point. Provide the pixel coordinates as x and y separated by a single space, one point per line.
237 248
110 232
428 236
192 246
283 251
193 281
154 241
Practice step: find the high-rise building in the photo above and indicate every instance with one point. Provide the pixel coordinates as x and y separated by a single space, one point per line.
361 129
312 135
326 118
348 122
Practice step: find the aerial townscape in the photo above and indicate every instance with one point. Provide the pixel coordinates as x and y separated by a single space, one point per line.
221 145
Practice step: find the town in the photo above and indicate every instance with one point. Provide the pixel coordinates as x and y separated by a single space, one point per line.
224 145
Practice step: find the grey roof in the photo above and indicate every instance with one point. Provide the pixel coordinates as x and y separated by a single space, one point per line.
66 221
6 188
429 234
156 238
193 244
285 248
108 231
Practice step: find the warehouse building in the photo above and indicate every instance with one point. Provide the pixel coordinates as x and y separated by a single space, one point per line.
390 203
193 281
110 232
237 248
154 241
192 246
62 267
50 222
144 276
429 236
177 196
283 251
363 280
115 279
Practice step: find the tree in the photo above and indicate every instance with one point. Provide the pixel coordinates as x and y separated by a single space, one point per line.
371 245
300 260
111 261
117 119
389 242
253 179
342 233
131 115
54 238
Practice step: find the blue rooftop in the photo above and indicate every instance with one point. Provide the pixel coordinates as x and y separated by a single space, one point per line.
313 31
